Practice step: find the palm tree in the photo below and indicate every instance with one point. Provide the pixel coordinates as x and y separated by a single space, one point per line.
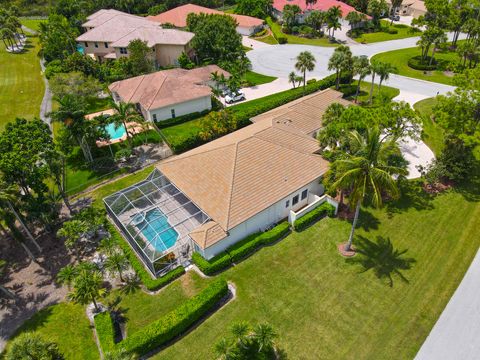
240 330
72 231
341 60
67 275
117 263
87 286
305 61
333 15
8 195
32 346
361 68
292 79
375 67
223 349
366 172
124 113
264 336
384 72
395 5
108 245
354 18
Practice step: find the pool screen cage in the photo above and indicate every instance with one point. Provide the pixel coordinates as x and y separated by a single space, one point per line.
156 218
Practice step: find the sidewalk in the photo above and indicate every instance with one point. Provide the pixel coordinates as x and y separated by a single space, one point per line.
455 335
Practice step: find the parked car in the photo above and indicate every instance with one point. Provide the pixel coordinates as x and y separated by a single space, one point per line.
234 97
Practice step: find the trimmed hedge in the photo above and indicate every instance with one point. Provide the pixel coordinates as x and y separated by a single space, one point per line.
240 250
150 283
417 64
313 216
209 267
177 321
245 111
180 119
105 331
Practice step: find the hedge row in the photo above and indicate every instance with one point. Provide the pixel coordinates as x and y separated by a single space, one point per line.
105 331
150 283
180 119
314 215
240 250
245 111
177 321
417 63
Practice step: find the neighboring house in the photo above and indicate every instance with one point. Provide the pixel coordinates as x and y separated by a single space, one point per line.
322 5
109 32
169 93
217 194
413 8
247 25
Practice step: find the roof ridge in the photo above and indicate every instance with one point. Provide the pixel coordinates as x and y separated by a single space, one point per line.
232 183
197 153
294 133
140 83
156 92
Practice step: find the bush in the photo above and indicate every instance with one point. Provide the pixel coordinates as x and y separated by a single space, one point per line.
282 40
150 283
240 250
417 63
214 265
314 215
177 321
105 331
311 81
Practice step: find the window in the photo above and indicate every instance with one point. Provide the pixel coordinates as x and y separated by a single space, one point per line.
173 113
154 117
153 49
106 45
123 50
287 203
295 200
304 194
96 45
86 44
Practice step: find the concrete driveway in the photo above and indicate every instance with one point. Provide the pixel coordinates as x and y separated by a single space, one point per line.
455 335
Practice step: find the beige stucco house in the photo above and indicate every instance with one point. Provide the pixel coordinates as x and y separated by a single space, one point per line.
169 93
413 8
109 32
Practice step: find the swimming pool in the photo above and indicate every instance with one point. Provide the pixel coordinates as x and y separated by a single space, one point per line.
155 222
115 132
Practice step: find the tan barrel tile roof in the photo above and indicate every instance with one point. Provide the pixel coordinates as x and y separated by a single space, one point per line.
208 234
167 87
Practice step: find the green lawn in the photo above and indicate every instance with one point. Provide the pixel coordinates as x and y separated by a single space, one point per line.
141 309
432 134
67 325
364 94
21 83
403 31
33 24
292 39
399 58
267 40
254 78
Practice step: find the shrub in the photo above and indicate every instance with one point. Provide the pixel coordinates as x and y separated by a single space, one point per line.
209 267
417 63
282 40
105 331
240 250
314 215
150 283
177 321
311 81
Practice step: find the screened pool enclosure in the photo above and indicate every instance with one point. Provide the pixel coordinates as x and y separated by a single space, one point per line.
156 218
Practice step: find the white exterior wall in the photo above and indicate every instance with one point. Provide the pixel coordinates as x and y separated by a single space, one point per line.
101 50
264 219
188 107
247 31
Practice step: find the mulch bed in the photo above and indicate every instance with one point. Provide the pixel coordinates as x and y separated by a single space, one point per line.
438 187
344 252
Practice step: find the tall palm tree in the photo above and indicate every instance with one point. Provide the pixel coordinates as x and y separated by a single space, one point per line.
375 67
117 263
305 61
361 68
87 286
124 113
366 172
341 60
333 15
292 79
240 330
384 71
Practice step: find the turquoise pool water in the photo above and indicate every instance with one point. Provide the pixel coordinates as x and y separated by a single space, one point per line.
115 133
155 222
80 49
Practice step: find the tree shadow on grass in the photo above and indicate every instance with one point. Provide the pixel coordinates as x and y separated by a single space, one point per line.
367 221
382 258
412 196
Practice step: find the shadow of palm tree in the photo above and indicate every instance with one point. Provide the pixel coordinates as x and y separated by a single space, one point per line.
382 258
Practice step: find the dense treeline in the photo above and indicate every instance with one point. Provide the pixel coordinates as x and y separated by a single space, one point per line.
70 8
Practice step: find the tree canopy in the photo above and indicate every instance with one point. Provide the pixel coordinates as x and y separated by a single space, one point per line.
256 8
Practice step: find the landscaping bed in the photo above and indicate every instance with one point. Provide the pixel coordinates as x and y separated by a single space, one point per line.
386 33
